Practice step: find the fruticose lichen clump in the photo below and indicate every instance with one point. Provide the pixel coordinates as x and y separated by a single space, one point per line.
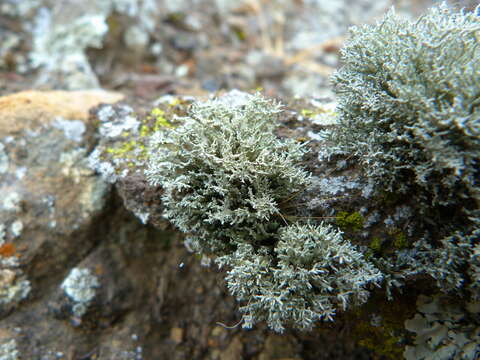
409 110
225 174
312 272
409 105
228 183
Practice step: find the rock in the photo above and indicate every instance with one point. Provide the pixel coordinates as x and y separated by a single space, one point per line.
266 65
234 350
101 282
279 347
176 335
50 197
29 109
53 37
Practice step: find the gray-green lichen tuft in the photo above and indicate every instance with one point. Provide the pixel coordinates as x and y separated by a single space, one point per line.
409 110
312 272
224 173
409 104
228 183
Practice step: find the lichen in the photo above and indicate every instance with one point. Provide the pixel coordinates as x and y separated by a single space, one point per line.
408 110
379 325
80 286
410 119
13 285
12 288
11 202
9 351
16 228
444 331
126 137
380 341
335 185
400 241
73 129
376 244
313 274
4 162
60 40
406 139
61 47
227 183
224 173
453 264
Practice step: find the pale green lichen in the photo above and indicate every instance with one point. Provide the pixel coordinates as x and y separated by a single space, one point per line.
228 181
312 272
444 331
224 173
409 104
454 264
409 109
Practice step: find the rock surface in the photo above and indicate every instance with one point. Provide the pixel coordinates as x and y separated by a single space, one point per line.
136 292
84 272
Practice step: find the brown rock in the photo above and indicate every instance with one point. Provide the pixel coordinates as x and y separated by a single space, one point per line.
176 334
28 109
234 350
278 347
59 215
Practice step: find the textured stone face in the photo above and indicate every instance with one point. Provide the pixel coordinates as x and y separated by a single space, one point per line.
30 109
49 195
56 215
45 137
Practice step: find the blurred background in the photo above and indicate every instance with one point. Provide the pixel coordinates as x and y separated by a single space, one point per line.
146 48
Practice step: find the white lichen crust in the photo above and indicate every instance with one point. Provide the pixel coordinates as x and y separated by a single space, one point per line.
8 350
80 286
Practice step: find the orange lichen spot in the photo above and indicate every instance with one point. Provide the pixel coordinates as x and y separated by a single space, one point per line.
99 270
7 250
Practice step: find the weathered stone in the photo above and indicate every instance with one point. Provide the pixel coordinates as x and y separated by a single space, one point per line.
48 185
50 197
150 297
30 109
